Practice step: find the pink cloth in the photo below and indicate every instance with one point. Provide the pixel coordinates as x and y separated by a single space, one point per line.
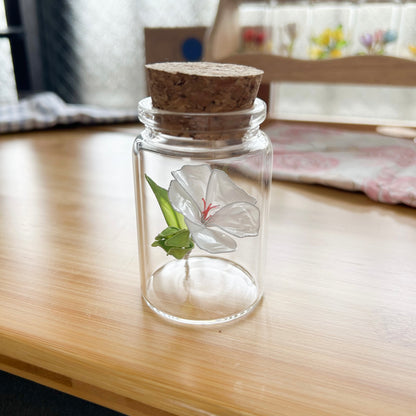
384 168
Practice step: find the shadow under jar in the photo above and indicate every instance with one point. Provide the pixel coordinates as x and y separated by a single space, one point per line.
202 184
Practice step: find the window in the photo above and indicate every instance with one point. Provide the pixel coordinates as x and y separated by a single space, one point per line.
92 52
7 80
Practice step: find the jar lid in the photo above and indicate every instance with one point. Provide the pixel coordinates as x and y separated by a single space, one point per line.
198 87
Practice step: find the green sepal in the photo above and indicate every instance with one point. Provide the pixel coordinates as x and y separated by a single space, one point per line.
179 239
178 253
167 232
174 241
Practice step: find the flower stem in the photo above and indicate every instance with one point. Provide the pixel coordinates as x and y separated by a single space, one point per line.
186 258
186 280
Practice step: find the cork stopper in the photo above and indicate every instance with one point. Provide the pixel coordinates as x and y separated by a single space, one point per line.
202 87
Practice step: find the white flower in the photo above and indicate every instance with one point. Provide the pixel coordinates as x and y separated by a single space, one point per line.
209 199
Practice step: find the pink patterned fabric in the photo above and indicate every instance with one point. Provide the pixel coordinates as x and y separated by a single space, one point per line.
384 168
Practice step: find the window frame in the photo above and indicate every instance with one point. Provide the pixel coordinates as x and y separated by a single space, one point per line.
23 34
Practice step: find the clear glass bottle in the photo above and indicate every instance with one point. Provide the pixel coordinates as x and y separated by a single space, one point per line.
202 185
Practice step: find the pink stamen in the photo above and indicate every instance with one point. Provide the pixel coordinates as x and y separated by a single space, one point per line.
205 212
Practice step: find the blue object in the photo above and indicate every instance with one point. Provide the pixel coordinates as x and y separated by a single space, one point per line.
192 49
389 36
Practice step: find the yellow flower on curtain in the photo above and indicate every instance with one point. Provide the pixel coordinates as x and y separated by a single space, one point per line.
338 34
335 53
328 44
315 52
325 38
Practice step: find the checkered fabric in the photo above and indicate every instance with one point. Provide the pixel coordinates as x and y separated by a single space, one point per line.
45 110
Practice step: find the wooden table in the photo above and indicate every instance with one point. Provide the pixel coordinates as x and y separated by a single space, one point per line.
334 335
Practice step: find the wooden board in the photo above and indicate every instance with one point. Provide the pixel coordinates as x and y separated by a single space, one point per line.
372 70
165 44
334 335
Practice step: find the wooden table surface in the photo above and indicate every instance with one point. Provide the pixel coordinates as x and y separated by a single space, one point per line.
335 334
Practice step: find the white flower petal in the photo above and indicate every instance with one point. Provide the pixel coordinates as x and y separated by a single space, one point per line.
239 218
222 190
225 206
182 202
194 178
210 240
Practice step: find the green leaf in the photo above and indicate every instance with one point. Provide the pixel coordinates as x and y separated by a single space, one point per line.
172 218
174 239
341 44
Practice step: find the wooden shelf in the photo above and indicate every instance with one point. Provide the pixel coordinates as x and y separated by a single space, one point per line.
372 70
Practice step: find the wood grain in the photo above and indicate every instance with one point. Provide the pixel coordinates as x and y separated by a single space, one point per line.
334 335
372 70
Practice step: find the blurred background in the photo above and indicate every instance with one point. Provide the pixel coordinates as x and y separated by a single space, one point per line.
93 51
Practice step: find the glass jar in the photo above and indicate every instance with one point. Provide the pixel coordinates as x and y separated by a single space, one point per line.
202 184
